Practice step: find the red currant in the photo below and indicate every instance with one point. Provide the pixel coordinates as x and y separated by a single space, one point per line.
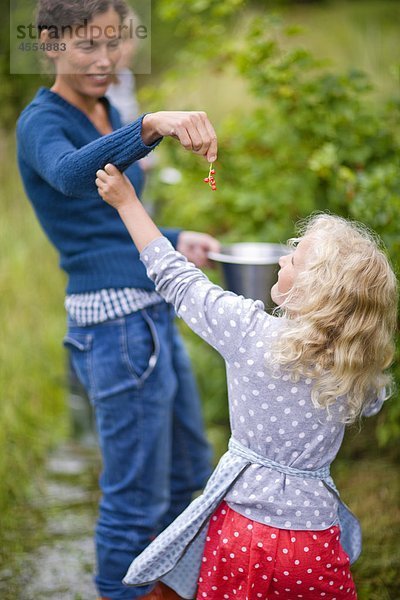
210 179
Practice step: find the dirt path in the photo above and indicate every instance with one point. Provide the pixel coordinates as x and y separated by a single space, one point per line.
61 567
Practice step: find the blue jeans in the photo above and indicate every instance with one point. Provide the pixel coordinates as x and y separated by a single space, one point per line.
155 455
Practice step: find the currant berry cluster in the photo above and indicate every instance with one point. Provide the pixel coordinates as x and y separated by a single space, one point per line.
210 179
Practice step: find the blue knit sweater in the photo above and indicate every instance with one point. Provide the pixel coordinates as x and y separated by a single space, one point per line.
59 152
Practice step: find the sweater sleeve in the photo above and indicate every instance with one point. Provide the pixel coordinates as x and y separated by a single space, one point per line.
223 319
44 144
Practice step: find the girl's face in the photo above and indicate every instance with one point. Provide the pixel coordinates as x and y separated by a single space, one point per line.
88 62
290 265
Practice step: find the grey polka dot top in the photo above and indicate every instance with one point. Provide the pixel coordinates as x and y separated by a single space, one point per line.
269 414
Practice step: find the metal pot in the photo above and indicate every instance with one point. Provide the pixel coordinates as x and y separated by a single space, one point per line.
251 269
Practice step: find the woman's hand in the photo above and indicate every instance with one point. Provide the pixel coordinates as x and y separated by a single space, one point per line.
193 130
114 187
196 246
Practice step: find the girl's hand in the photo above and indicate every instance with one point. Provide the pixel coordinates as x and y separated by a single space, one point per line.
114 187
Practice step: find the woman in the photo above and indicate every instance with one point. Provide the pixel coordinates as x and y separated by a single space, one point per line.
121 335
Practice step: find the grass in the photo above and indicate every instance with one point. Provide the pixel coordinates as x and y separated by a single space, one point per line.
370 484
31 355
372 489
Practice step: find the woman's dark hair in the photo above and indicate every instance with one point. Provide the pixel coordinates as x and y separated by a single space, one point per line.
56 14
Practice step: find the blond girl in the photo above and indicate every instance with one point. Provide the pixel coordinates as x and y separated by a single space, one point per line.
270 522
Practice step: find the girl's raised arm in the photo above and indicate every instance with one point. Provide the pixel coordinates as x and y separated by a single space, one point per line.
221 318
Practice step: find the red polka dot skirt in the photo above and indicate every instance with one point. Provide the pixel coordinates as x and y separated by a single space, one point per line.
246 560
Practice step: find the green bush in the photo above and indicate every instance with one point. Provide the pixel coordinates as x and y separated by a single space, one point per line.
311 139
31 355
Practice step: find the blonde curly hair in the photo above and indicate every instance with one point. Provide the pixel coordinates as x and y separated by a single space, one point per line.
341 315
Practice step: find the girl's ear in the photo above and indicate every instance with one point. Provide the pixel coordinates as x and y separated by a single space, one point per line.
47 40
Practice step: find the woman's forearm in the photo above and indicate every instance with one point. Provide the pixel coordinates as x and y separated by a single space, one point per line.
47 149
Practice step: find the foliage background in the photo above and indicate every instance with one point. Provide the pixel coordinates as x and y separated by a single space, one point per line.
297 132
308 136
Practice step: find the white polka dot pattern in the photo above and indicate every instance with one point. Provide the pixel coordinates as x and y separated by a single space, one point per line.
175 555
270 414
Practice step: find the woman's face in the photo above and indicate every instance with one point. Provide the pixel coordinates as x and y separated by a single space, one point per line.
90 56
290 265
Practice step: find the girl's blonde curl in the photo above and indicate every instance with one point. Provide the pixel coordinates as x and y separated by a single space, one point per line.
341 315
